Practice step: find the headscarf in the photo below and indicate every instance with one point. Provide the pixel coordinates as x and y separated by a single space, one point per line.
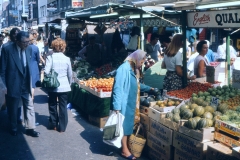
136 57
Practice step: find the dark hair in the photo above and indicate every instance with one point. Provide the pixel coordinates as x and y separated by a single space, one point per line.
165 39
39 38
200 45
22 34
12 32
92 38
154 36
1 35
135 31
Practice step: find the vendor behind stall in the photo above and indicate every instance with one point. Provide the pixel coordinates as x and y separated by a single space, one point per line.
173 63
200 61
92 52
153 48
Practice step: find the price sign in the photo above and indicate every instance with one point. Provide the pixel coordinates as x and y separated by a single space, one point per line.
215 101
164 94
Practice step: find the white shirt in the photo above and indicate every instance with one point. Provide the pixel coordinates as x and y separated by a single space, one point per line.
222 51
172 62
190 63
24 55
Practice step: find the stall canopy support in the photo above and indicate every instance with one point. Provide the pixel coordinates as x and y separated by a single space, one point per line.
228 59
142 34
184 25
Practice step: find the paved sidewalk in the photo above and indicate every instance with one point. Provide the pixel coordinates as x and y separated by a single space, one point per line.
81 141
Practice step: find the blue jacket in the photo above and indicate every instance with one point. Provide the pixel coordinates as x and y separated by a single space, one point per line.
124 95
210 56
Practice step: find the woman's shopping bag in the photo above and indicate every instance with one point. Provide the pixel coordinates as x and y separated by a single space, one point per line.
136 143
113 130
3 90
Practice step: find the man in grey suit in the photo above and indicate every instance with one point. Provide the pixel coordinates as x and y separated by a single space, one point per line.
15 73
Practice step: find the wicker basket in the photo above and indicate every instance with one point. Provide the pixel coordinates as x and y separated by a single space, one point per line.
136 143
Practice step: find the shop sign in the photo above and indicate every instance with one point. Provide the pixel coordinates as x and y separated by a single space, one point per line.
214 19
159 22
77 3
52 6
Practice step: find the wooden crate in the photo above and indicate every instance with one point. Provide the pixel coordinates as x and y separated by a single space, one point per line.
218 151
155 155
144 110
203 135
226 139
144 119
189 145
223 126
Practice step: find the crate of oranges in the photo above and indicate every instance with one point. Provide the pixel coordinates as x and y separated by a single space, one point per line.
101 87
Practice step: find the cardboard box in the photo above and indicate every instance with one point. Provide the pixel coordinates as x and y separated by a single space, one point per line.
218 151
187 144
236 78
223 126
144 119
154 155
96 121
159 146
235 152
206 134
163 133
172 125
180 155
155 114
226 140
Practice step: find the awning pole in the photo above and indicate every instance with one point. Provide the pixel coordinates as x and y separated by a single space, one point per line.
228 77
184 25
141 38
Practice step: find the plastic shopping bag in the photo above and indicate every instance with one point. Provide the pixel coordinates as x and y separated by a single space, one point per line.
2 93
116 120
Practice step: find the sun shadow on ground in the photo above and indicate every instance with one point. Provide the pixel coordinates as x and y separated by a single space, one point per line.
13 147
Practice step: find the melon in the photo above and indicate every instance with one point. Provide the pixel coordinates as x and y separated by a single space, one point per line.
202 123
208 115
198 111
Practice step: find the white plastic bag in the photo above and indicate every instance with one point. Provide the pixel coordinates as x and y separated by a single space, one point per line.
115 118
2 93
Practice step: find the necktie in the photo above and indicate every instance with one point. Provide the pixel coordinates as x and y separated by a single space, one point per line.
22 61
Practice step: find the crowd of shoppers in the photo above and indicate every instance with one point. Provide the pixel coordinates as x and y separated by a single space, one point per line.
20 57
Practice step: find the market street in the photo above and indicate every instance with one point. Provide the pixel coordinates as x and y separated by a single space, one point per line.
81 140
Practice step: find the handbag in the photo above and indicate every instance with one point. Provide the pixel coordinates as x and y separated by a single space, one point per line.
50 80
136 143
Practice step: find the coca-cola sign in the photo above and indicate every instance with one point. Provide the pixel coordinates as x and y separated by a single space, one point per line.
214 19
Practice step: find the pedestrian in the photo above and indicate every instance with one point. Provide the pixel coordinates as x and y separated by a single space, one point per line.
154 48
35 59
200 61
93 52
222 51
126 94
12 35
62 65
172 61
1 43
15 71
210 54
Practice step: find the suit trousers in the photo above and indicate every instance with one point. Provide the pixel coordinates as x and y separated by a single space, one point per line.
58 116
28 111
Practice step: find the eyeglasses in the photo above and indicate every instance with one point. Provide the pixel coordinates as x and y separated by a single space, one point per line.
26 42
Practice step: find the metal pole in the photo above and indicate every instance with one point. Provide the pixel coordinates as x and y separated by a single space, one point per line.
141 40
184 25
24 24
228 59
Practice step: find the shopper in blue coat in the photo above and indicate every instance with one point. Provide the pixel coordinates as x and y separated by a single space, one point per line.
125 94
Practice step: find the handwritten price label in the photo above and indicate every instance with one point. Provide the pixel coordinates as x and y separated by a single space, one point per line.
215 101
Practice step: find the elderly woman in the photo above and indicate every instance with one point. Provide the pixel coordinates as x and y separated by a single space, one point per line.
200 61
173 63
126 94
62 65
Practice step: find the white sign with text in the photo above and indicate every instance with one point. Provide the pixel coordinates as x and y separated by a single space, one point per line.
214 19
